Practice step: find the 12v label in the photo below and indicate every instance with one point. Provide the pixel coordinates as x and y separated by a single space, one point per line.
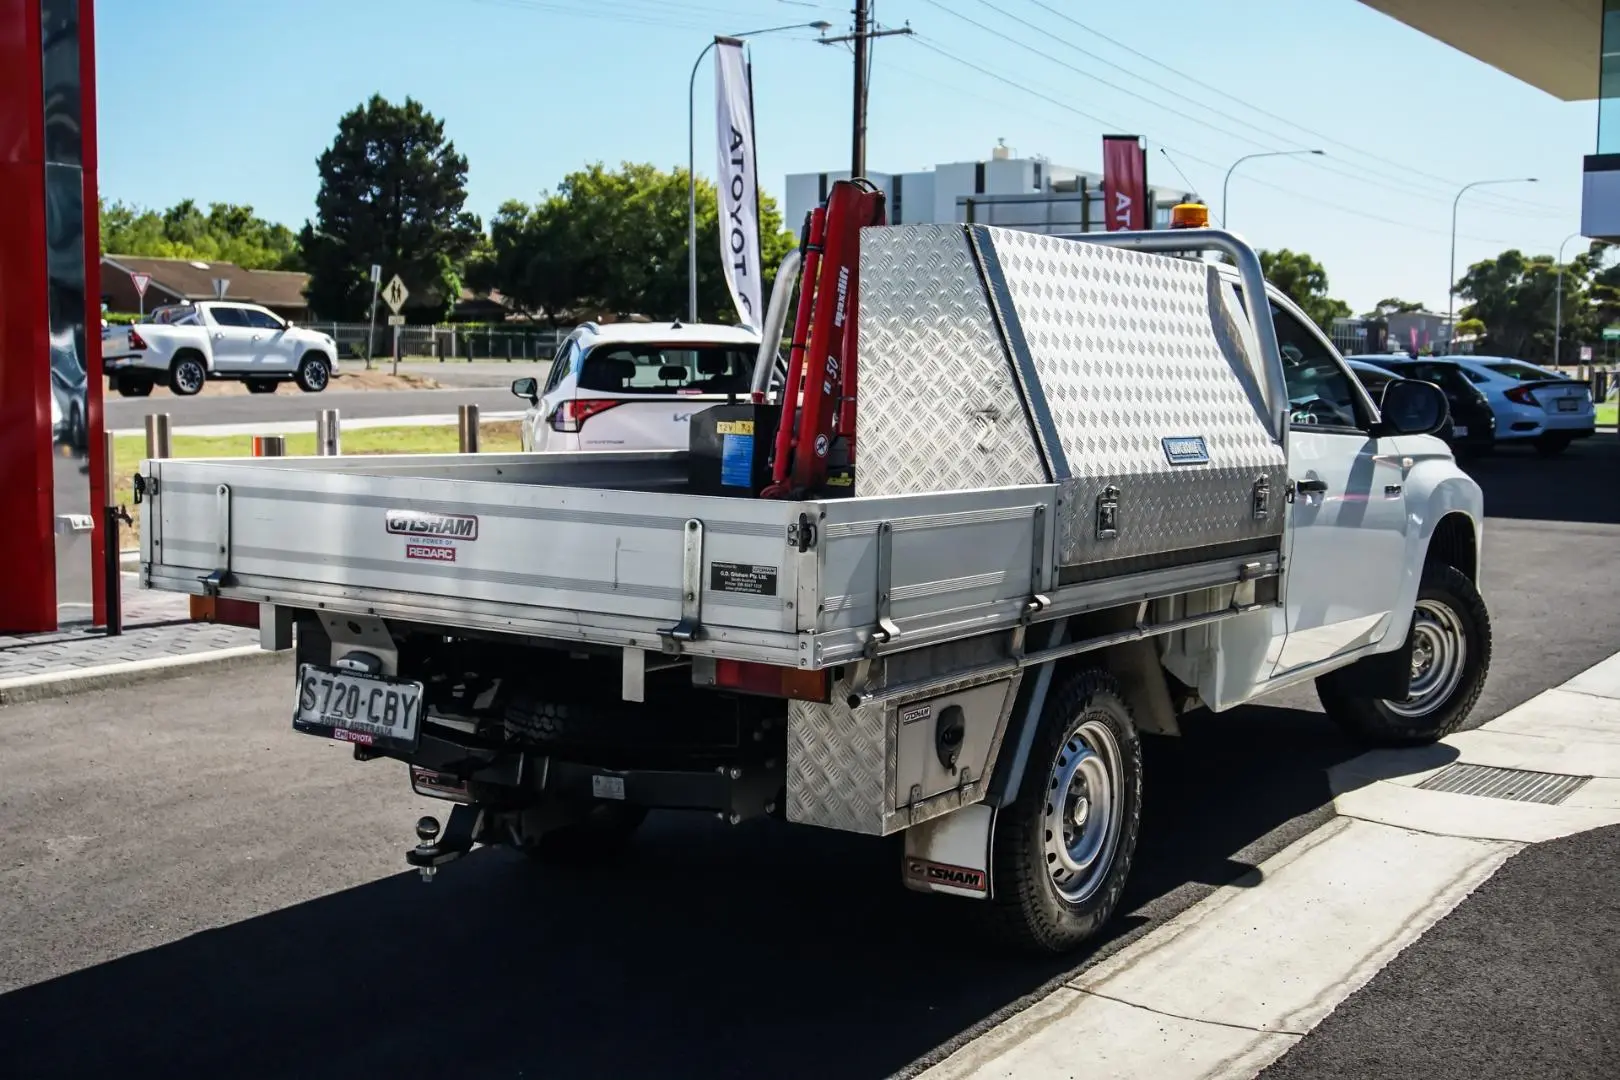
742 578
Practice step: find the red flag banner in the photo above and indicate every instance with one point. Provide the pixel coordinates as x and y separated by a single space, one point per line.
1124 182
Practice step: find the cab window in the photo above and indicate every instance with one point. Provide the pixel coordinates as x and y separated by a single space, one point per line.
1321 393
667 369
561 365
228 316
260 320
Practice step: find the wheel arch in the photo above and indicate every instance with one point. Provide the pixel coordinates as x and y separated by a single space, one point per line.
192 352
1455 542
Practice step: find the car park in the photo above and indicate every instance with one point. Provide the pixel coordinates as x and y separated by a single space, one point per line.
1531 404
1473 422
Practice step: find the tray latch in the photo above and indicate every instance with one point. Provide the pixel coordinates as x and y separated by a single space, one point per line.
222 576
1108 513
690 628
885 631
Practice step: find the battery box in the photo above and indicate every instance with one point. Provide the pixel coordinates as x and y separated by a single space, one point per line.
731 449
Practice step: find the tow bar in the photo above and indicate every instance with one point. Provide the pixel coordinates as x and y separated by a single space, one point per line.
465 824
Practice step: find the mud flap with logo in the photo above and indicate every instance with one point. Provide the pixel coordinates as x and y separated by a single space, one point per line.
951 854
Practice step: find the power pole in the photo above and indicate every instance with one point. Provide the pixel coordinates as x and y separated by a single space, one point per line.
861 40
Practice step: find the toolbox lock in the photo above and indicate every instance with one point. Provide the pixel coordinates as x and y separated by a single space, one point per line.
1108 513
949 731
1262 498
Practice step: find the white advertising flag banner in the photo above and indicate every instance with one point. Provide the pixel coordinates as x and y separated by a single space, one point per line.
738 184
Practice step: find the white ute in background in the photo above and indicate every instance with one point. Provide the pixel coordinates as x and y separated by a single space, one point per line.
185 345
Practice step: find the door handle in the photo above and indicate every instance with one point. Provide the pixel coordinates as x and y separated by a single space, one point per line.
256 337
219 337
1311 487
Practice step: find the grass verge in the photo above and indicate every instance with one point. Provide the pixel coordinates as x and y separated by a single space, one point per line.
497 438
1608 413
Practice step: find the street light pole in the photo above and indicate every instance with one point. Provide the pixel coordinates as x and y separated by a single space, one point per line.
1451 282
1558 303
691 148
1251 157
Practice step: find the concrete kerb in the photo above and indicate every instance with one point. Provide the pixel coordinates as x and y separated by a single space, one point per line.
133 673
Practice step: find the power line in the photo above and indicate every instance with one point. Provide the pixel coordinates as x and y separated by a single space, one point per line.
1404 166
1365 176
1187 155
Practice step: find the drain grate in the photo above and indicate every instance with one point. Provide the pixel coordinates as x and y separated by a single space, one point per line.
1519 785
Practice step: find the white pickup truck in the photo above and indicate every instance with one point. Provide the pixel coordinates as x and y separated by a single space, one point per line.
182 346
1100 482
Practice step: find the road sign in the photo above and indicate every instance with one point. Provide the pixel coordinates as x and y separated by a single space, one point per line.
376 273
396 320
395 293
1586 353
221 287
1612 334
141 281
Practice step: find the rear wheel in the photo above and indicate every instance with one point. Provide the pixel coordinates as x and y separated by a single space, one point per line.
1064 847
1451 654
132 386
314 372
261 386
187 375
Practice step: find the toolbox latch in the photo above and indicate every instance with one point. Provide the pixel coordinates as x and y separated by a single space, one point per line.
1260 499
1108 513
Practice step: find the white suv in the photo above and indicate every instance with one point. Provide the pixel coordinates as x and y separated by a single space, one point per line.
634 386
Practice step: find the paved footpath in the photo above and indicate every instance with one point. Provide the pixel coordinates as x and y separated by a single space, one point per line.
158 635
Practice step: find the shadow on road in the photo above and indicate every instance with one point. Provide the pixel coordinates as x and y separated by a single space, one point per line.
1581 485
757 951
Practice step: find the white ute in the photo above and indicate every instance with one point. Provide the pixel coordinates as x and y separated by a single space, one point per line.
185 345
1100 483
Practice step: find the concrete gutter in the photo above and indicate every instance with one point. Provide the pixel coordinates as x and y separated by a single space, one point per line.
134 672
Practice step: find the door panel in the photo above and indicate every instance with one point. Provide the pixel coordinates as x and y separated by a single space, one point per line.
232 340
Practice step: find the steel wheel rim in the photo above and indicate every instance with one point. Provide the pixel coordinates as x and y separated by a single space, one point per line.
189 375
1439 657
315 374
1081 819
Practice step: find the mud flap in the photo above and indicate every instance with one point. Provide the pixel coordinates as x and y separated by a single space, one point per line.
951 854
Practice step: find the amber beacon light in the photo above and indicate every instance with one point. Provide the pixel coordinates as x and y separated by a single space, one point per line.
1189 215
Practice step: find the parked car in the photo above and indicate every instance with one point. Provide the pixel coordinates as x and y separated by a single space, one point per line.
1473 422
70 401
634 386
1532 404
185 345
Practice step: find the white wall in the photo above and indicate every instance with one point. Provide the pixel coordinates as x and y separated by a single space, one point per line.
1600 202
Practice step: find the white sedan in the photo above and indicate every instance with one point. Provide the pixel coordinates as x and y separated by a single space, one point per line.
1532 404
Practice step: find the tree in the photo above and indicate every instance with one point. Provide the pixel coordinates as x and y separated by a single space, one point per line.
392 193
1393 306
227 233
614 242
1514 295
1305 282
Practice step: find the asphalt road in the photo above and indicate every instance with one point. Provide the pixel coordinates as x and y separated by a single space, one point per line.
223 896
290 405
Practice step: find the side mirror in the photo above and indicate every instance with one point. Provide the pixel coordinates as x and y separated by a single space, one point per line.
1411 407
527 388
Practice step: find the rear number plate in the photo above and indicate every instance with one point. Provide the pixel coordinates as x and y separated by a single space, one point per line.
1568 404
1459 432
349 706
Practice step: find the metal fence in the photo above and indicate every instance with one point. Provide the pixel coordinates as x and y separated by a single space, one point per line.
448 343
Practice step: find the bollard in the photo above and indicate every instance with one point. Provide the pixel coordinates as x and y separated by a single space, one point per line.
467 425
328 434
269 446
112 566
157 436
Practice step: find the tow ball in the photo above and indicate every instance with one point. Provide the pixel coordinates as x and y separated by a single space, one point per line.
431 852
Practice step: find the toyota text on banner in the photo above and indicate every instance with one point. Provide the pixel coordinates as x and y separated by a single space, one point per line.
737 183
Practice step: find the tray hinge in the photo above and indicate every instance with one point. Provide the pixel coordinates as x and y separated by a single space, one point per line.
802 534
1038 601
885 631
145 486
691 625
222 576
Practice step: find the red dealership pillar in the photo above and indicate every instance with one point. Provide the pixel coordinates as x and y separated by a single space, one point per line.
27 538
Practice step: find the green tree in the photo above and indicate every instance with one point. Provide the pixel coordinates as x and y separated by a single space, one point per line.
226 233
1514 296
1393 305
1305 282
614 242
393 191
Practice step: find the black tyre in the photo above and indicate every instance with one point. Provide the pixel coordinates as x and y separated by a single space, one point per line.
133 387
187 375
1451 655
1552 445
261 386
314 373
1063 849
77 433
603 833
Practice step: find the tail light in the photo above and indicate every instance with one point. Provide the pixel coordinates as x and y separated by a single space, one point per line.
1519 395
569 416
772 681
135 339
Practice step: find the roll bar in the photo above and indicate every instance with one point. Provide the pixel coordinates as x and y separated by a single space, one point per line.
1186 241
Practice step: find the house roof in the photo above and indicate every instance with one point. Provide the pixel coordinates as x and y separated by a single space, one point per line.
190 279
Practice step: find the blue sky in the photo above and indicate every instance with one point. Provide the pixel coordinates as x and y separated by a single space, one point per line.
531 89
